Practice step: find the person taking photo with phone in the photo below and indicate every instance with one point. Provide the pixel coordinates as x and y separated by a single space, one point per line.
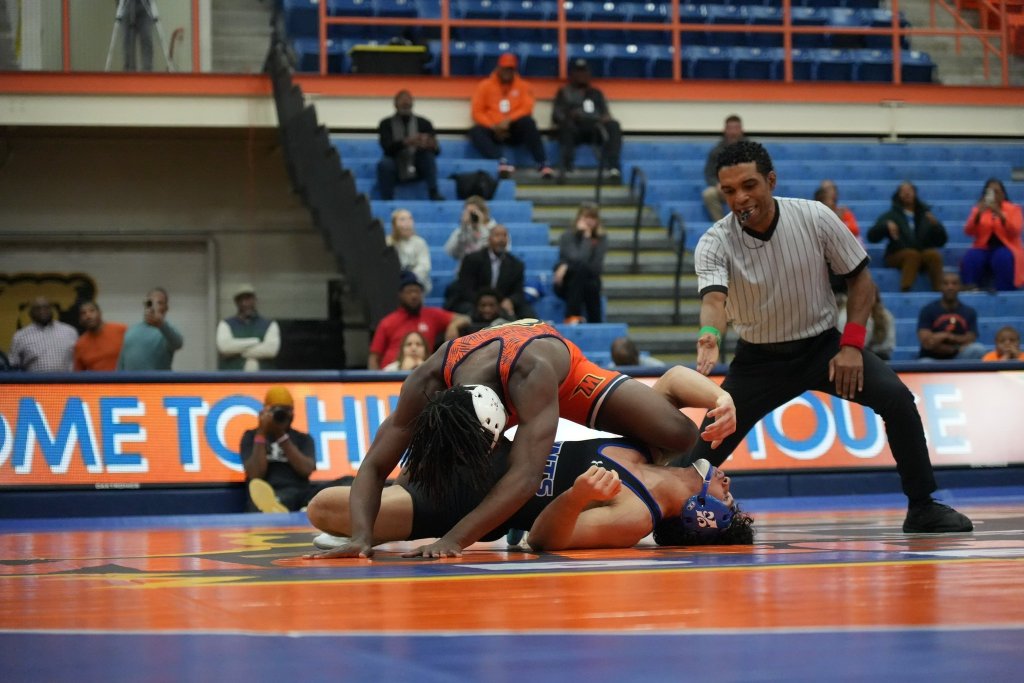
151 344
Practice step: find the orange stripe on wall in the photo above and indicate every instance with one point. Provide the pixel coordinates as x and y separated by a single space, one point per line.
198 85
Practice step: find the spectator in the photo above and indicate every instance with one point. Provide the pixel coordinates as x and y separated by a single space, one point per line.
150 344
492 267
880 338
995 224
1007 346
411 315
626 354
46 345
247 341
277 458
502 109
581 115
828 194
413 251
411 354
915 236
410 149
714 200
137 25
486 312
577 276
100 343
948 328
473 230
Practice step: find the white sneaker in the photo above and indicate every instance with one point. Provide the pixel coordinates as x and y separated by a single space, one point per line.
326 541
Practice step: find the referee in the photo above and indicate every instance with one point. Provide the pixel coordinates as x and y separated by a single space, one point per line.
772 255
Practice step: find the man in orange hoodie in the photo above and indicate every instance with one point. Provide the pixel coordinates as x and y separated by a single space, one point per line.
503 114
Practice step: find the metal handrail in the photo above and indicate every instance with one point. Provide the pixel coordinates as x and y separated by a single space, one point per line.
637 176
677 219
602 163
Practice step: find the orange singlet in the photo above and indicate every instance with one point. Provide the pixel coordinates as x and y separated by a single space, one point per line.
580 395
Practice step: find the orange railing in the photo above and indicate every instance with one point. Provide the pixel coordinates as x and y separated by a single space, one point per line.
993 36
562 25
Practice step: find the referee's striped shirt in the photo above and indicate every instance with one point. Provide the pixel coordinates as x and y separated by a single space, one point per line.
777 284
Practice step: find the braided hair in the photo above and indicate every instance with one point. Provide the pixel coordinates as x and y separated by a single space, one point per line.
449 446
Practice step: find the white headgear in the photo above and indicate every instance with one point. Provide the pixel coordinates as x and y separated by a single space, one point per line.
489 410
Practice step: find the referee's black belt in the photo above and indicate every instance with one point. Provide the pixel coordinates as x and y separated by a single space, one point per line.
787 348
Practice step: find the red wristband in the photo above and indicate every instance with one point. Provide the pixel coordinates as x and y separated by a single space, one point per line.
854 335
259 439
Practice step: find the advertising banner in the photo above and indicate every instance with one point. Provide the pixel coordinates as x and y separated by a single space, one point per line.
112 435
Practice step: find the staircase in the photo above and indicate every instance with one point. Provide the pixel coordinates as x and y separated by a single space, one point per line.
963 67
642 298
241 35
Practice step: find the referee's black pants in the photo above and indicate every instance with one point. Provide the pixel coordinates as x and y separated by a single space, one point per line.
762 377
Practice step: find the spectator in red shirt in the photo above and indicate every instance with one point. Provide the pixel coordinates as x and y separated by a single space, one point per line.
100 343
411 316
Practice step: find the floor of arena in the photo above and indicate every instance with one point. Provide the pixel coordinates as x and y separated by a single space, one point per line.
832 590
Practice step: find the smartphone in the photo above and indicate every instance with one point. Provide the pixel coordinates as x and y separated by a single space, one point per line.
990 196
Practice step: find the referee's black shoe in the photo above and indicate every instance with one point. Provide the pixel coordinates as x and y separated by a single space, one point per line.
935 518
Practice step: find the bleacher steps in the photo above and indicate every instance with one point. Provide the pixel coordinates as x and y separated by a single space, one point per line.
627 286
545 195
558 216
240 33
650 311
649 262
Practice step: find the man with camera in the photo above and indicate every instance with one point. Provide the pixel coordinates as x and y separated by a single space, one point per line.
150 344
278 460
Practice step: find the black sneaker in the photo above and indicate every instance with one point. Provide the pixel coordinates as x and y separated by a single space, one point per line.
935 518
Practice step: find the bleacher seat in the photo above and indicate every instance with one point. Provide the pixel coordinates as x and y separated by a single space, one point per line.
755 63
710 62
873 65
593 337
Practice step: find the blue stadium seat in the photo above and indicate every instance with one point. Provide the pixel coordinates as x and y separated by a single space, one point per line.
626 61
916 67
464 57
707 61
542 258
803 64
541 59
872 65
726 14
693 13
755 63
354 8
593 55
831 64
809 16
301 18
307 54
842 17
762 15
529 10
395 8
593 337
881 18
653 13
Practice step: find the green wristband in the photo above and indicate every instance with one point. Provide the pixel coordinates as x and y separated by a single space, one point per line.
708 329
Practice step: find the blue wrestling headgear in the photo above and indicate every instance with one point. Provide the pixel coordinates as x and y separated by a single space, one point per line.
704 514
